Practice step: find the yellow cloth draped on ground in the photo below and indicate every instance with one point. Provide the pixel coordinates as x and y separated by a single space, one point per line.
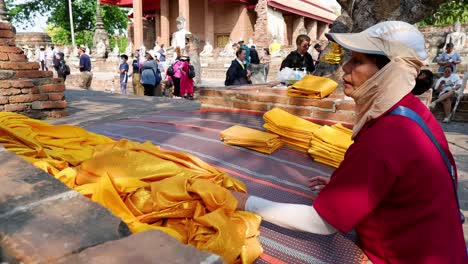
146 187
329 144
312 86
251 138
293 130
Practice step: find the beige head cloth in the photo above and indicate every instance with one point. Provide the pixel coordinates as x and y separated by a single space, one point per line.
404 45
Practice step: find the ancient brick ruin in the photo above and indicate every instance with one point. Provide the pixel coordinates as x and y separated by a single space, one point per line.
262 98
23 88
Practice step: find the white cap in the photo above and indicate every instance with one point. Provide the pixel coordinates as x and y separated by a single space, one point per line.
151 53
390 38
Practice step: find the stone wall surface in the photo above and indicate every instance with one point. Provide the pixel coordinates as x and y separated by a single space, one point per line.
23 88
33 39
334 108
331 109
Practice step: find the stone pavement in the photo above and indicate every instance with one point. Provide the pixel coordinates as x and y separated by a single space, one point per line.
87 107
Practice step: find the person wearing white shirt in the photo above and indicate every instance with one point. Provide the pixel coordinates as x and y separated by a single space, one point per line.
41 57
447 86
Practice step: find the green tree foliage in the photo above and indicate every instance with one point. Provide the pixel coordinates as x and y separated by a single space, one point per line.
84 17
449 13
121 41
62 36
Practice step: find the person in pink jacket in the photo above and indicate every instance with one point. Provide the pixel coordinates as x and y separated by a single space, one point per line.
186 81
177 66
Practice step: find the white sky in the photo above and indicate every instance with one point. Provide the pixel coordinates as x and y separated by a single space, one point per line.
40 22
37 25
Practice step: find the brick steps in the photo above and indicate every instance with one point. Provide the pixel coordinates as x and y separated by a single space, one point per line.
462 112
460 116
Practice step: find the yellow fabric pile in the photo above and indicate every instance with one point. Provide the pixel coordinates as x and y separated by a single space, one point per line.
294 131
146 187
312 86
251 138
329 144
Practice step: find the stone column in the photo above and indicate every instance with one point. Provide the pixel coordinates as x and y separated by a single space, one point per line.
138 23
184 11
261 36
165 30
298 28
209 23
321 30
157 27
312 30
3 12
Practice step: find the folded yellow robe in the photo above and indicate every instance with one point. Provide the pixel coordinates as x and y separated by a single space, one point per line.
251 138
296 144
312 86
146 187
285 120
329 144
293 130
334 137
343 129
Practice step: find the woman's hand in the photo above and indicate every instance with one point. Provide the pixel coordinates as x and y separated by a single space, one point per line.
241 199
318 183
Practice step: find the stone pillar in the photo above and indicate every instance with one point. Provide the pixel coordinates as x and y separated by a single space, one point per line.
192 50
209 23
3 12
321 30
138 23
184 11
157 27
312 30
298 28
165 30
261 36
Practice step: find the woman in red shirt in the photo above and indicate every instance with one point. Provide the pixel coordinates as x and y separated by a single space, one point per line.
393 186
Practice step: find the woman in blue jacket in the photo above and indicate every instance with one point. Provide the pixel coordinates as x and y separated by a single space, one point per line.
150 75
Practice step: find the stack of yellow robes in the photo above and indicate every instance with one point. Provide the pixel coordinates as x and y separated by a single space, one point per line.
294 131
312 86
252 139
146 187
329 144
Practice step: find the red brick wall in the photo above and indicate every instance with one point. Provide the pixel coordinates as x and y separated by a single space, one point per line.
197 18
23 88
234 18
264 98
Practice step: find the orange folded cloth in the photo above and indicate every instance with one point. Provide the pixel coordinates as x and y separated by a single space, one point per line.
251 138
312 86
148 188
293 130
329 144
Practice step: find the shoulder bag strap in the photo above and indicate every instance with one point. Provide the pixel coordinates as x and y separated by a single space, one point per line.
406 112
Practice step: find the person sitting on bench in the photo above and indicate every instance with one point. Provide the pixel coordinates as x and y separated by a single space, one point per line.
447 86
